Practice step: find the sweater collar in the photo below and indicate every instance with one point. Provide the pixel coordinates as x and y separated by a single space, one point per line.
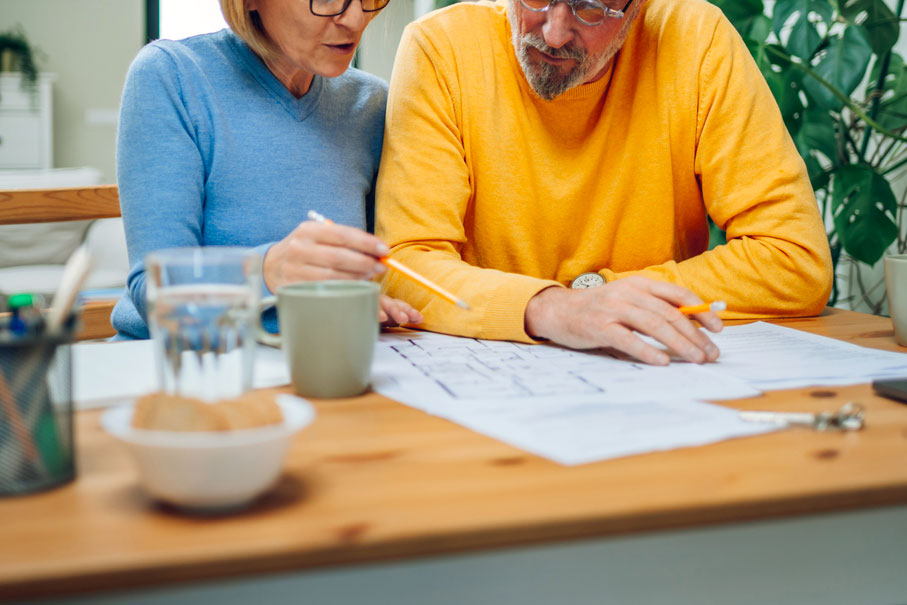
299 108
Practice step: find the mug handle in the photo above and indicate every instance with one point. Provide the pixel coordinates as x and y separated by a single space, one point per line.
262 335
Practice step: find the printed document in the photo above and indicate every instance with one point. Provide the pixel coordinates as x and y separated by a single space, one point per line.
580 406
568 406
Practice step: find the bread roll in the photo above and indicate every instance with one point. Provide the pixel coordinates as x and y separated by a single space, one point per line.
163 412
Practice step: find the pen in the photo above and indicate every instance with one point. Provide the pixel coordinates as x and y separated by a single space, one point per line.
718 305
74 275
416 277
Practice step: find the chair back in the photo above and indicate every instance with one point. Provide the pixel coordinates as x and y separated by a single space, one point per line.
24 206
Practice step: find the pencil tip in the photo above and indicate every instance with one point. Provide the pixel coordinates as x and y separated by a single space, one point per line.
462 304
718 305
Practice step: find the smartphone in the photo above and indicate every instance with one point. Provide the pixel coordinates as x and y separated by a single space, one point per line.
894 388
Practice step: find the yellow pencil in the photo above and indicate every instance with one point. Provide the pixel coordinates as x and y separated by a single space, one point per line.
394 264
718 305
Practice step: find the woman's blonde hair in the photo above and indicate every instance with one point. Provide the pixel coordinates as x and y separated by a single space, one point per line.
247 25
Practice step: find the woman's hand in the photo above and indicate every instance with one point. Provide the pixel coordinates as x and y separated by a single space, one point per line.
318 251
395 312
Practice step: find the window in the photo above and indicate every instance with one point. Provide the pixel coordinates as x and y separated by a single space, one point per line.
175 19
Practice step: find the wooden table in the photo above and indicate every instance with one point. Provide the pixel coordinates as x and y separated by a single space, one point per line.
375 481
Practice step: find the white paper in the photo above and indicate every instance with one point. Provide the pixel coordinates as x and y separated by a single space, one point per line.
568 406
574 407
108 373
771 357
433 371
578 433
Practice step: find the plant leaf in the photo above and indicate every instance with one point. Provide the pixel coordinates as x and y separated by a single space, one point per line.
843 66
760 27
893 108
818 177
881 26
893 112
786 86
895 65
863 209
743 14
817 133
804 38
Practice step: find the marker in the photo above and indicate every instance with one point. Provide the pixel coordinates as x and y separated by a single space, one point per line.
25 314
416 277
718 305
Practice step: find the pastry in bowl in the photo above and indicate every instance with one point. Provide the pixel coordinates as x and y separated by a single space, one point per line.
213 458
164 412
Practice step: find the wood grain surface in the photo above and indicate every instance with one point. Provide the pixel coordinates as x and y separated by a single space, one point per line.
374 480
94 320
67 204
62 204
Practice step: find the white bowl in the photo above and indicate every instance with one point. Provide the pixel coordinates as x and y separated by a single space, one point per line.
210 470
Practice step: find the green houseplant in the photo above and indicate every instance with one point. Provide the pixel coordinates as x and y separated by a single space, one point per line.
819 56
17 55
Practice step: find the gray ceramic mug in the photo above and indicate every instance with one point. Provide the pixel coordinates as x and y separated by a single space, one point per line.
328 331
896 285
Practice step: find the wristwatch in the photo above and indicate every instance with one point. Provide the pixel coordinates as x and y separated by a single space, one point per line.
587 280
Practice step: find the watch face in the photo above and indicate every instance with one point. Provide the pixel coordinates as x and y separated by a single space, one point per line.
587 280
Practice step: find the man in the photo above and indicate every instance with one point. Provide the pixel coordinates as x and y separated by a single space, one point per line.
531 146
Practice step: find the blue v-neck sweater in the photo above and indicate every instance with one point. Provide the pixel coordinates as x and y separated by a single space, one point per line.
213 150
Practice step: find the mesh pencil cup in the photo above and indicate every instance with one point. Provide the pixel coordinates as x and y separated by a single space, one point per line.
36 412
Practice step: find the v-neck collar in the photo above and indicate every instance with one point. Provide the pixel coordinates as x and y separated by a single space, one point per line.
299 108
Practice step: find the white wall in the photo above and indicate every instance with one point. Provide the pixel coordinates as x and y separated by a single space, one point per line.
380 40
88 45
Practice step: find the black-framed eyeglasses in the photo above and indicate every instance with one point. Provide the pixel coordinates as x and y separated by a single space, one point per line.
587 12
332 8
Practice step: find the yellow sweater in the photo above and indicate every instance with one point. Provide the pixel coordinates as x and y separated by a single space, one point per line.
497 194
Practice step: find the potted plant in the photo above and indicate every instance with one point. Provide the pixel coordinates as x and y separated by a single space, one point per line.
814 55
17 55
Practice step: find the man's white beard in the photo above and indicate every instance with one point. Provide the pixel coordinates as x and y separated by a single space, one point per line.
547 80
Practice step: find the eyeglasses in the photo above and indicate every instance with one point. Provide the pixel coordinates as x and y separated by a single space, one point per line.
332 8
587 12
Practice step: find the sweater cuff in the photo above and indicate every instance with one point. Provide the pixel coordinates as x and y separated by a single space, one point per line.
505 311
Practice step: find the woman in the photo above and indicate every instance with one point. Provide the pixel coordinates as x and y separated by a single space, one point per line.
231 138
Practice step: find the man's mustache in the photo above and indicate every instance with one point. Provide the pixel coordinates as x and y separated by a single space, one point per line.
564 52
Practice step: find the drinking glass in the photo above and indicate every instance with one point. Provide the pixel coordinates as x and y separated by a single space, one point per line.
202 304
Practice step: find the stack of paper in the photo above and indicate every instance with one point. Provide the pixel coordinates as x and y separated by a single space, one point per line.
574 407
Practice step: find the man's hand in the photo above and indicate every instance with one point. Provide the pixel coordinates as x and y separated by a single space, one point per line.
609 316
394 312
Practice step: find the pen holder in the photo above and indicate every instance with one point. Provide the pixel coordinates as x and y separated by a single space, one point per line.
36 412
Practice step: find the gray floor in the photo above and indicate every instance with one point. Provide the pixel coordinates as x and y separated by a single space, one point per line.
846 558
